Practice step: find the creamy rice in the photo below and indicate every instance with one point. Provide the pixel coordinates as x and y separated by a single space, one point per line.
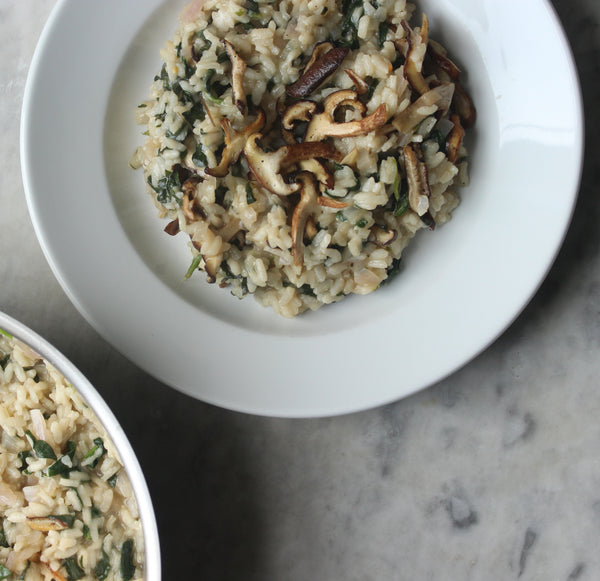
301 180
67 508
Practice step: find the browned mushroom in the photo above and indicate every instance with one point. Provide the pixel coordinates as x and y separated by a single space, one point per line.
464 106
462 102
383 236
190 206
417 48
234 143
305 208
454 139
324 125
417 178
332 203
318 69
438 55
268 167
301 111
360 85
437 99
47 523
238 68
172 228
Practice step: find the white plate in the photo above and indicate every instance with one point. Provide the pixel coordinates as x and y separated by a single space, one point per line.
461 286
23 333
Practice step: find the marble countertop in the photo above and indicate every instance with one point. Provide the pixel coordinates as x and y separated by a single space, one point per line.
492 474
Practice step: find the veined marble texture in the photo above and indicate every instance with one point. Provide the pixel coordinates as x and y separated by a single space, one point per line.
491 475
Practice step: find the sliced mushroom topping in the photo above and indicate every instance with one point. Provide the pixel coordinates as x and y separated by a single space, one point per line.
172 228
361 86
437 99
454 139
462 102
464 106
319 170
320 69
417 48
417 178
332 203
438 55
234 143
47 523
306 207
324 125
268 167
238 68
190 206
383 236
301 111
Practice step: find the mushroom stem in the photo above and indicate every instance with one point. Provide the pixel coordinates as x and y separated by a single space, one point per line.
306 207
417 178
238 68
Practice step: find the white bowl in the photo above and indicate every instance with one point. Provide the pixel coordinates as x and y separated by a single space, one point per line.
152 564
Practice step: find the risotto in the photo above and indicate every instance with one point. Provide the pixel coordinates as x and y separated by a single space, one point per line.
299 145
68 511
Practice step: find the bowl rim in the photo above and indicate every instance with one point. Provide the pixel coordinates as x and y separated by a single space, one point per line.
20 331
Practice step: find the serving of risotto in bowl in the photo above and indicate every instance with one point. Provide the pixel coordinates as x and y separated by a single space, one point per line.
73 500
299 145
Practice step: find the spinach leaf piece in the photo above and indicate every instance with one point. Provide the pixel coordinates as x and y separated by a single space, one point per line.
5 572
127 566
74 571
102 568
94 454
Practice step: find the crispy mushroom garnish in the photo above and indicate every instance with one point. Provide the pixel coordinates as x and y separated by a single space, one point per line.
268 167
317 70
324 125
417 178
238 68
454 139
438 55
417 48
306 207
234 143
437 99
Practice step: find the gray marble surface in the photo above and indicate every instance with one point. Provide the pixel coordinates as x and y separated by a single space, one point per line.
492 474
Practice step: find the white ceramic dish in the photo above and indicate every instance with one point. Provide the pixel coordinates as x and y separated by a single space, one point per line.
461 286
113 428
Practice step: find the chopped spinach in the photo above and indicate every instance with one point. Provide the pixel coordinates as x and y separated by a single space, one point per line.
112 481
23 455
4 361
199 156
250 199
5 572
393 270
210 88
437 136
340 217
196 113
167 187
94 454
41 448
382 32
3 541
59 468
102 568
127 566
361 223
74 571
